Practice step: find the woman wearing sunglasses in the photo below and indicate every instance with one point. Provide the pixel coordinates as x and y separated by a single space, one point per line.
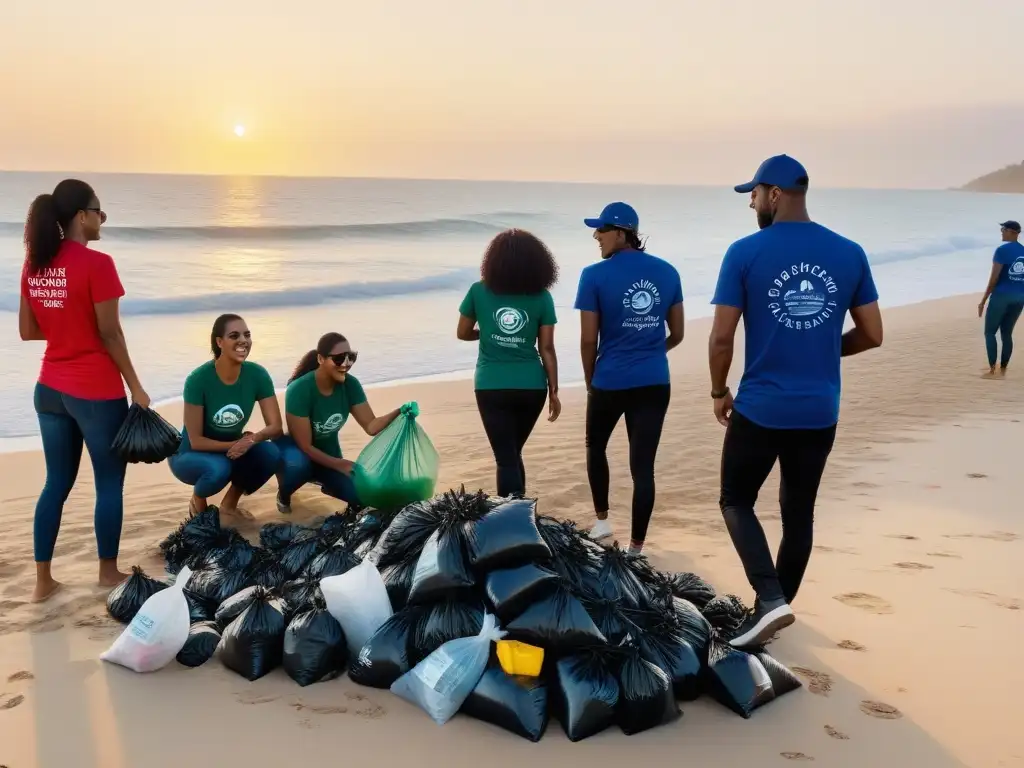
216 452
69 299
321 394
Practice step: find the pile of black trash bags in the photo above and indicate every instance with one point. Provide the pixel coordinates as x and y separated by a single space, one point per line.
623 643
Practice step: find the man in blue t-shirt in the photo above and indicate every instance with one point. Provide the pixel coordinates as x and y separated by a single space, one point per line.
626 301
792 283
1006 287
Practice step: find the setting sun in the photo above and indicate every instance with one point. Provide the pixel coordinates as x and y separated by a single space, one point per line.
239 131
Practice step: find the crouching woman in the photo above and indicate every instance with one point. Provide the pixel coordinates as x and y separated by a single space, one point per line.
216 452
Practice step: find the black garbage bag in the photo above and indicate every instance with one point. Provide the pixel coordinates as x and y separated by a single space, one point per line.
626 578
444 621
666 648
585 694
229 550
126 598
253 643
203 638
745 681
314 648
300 552
510 591
506 537
442 567
386 655
783 680
199 609
407 533
610 619
232 608
334 561
299 594
645 695
266 570
195 534
332 528
513 702
558 623
572 558
398 581
216 585
725 614
277 536
145 437
694 628
690 586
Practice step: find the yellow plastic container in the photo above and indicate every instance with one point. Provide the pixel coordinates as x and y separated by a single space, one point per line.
519 658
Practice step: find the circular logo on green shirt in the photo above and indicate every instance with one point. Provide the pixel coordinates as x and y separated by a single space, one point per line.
331 424
229 416
510 320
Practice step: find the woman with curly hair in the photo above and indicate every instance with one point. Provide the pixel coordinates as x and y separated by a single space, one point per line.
511 313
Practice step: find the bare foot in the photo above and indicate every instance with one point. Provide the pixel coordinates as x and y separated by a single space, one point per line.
992 375
112 578
45 590
236 512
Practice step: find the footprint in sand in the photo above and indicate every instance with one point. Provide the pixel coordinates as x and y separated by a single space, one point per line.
10 702
977 475
850 645
909 565
250 698
953 555
835 733
1006 536
797 756
880 710
19 676
902 536
1009 603
838 550
864 601
818 683
319 709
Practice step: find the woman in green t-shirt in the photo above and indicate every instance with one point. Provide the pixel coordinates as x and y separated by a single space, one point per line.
320 396
219 399
511 313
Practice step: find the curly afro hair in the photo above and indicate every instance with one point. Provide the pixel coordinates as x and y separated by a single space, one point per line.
517 262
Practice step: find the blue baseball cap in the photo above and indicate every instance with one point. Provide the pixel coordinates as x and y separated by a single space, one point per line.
781 171
1013 226
618 215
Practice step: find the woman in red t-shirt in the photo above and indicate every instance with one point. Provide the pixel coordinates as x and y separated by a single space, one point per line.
69 299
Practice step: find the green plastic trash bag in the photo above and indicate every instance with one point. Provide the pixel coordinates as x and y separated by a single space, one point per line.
398 466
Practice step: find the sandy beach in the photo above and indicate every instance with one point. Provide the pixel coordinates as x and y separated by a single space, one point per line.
906 622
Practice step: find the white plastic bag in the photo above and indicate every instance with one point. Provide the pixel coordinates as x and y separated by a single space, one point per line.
443 681
359 601
158 631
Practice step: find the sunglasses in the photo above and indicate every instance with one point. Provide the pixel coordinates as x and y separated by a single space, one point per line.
344 357
103 216
607 229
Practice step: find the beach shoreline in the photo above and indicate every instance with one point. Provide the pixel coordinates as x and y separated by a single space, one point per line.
915 568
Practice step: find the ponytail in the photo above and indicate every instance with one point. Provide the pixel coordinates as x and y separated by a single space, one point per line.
43 234
310 361
634 241
49 219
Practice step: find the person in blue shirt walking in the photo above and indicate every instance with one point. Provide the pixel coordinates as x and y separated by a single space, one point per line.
626 301
793 283
1006 289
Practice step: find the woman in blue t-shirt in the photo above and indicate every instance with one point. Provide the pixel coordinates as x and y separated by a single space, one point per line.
626 301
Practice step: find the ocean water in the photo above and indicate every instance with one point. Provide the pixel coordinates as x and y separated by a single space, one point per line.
386 262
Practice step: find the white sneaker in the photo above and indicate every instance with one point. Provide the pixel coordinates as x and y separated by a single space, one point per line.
602 530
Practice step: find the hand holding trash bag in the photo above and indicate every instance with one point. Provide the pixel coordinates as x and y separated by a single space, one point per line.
157 633
398 466
145 437
442 682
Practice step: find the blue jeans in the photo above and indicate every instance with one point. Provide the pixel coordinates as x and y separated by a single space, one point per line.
65 424
1002 314
209 473
297 469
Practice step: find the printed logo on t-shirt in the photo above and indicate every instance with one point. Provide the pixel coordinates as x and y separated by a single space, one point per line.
510 321
50 287
330 425
229 416
800 297
1016 270
641 299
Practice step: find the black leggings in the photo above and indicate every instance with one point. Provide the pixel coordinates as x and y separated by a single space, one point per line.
644 409
509 416
749 453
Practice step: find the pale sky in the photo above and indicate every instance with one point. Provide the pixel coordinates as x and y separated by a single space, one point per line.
868 93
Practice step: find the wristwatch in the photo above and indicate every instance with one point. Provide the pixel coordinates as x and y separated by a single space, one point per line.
719 394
